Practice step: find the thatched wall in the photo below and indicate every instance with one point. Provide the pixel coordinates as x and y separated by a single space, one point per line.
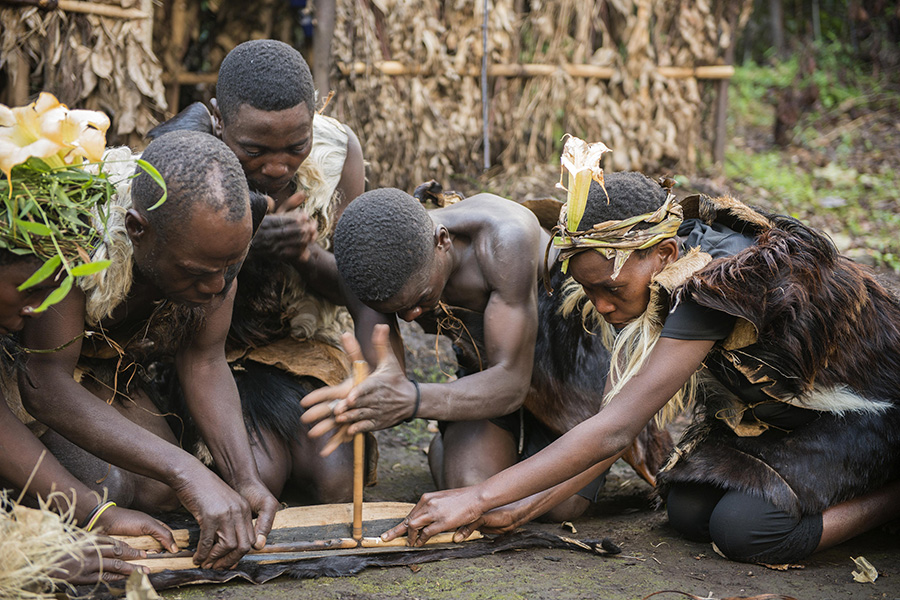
86 60
415 127
428 122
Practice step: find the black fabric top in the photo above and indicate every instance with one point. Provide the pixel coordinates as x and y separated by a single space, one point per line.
689 320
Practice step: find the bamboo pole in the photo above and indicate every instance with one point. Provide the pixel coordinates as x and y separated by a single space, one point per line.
396 68
359 457
103 10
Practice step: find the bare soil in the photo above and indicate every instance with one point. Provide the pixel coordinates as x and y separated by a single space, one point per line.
654 558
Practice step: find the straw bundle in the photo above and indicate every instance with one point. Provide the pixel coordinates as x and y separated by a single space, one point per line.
32 543
87 60
428 123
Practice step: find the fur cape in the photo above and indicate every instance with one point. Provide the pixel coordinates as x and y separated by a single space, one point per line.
814 330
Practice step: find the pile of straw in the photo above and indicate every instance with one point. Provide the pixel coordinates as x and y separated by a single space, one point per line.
426 125
32 543
87 61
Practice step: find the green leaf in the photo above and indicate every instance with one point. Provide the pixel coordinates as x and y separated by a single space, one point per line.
154 174
34 228
90 268
47 269
56 295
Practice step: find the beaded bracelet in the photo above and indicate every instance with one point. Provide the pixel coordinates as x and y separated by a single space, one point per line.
94 515
418 401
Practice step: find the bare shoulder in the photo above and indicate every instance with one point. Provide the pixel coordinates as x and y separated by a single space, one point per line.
493 217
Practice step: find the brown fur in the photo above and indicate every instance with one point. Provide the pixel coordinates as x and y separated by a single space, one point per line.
823 323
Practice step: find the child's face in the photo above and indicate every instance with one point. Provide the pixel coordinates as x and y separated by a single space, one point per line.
16 306
623 299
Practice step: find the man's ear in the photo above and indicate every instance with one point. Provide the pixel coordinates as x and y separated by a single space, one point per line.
218 126
442 239
137 227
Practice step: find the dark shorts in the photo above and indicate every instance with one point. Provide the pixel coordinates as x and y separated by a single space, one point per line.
532 436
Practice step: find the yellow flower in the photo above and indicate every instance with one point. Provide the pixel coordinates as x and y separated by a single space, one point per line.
50 131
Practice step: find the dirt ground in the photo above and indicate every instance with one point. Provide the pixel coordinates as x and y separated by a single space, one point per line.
654 559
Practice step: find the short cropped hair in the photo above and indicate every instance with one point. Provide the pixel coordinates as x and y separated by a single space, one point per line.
630 194
199 170
383 238
266 74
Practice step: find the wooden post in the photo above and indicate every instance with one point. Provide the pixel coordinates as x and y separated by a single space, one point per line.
322 37
359 458
20 81
722 112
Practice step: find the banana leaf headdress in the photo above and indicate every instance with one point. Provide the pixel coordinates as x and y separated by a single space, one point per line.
48 200
616 240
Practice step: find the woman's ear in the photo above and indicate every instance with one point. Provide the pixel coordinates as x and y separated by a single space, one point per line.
667 251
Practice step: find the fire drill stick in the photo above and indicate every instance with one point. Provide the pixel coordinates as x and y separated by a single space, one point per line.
360 369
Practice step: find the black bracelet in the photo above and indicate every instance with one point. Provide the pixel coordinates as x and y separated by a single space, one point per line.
418 400
91 514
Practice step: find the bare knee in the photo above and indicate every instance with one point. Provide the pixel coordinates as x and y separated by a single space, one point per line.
474 451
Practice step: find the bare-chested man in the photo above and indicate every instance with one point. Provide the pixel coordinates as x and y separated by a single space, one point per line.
168 294
472 271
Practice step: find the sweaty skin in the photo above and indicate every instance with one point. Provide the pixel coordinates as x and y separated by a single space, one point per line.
196 265
488 253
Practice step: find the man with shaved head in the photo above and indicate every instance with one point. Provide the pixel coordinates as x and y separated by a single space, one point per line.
167 297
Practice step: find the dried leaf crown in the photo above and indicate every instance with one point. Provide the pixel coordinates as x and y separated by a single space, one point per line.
616 240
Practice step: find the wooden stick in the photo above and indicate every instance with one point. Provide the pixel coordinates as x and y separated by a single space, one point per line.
147 542
396 68
103 10
297 516
359 455
182 561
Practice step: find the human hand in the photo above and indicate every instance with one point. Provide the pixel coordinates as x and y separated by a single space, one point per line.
385 398
264 506
296 200
441 511
122 521
224 516
286 236
99 559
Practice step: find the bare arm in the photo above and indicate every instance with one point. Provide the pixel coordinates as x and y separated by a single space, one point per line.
27 462
212 398
52 395
597 439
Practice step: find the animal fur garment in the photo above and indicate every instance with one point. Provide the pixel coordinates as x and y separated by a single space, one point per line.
815 331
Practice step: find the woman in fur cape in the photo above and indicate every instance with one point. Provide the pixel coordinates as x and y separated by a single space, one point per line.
791 352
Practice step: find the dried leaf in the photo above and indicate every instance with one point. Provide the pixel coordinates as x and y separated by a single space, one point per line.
138 587
867 573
